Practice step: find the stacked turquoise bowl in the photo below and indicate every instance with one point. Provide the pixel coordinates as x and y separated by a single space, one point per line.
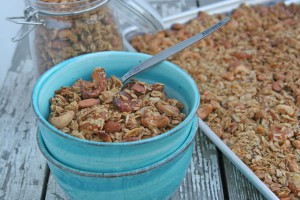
148 169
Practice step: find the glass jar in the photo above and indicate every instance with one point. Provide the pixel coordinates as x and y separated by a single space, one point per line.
61 29
70 28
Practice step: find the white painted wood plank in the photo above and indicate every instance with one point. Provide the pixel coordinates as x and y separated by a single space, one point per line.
54 191
203 180
21 164
7 48
239 187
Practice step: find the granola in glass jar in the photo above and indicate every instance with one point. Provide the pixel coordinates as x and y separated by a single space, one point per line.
72 28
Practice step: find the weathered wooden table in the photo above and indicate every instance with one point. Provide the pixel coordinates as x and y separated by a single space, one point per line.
23 170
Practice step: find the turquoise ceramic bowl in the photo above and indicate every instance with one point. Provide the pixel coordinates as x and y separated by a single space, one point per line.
113 157
157 181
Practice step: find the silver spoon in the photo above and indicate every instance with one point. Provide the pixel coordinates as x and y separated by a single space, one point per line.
163 55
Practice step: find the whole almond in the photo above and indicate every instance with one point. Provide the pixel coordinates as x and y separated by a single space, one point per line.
88 102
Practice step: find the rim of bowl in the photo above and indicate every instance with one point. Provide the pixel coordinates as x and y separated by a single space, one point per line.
63 64
188 141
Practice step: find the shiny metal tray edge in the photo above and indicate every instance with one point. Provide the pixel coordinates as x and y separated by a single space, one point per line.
221 7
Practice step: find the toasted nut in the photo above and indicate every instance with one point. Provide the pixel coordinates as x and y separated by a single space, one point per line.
126 105
241 55
229 76
104 136
293 166
112 127
137 87
276 86
204 111
278 76
277 133
63 99
167 109
158 87
260 130
227 44
287 143
241 69
88 102
177 26
261 114
99 78
261 77
63 120
295 183
153 120
296 144
107 96
91 125
88 89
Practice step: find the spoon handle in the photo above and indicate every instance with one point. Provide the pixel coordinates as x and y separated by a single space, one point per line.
163 55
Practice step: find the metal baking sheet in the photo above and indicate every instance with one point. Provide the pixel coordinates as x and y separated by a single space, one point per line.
221 7
264 190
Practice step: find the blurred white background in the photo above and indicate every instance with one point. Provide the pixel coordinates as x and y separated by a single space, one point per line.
10 8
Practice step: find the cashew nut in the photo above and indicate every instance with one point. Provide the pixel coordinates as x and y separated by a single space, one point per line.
63 120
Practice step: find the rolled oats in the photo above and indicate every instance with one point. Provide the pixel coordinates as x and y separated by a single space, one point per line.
99 110
63 37
248 74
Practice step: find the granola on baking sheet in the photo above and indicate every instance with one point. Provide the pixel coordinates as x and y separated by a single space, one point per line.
248 74
99 110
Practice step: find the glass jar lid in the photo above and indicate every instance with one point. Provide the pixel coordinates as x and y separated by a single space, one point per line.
139 13
47 7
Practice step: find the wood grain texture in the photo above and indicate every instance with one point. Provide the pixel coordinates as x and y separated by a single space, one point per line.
239 187
54 191
21 164
203 177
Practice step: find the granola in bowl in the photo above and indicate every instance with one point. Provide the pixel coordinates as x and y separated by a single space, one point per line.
249 76
102 110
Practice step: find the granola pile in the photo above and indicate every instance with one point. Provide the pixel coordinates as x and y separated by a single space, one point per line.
248 74
99 110
63 37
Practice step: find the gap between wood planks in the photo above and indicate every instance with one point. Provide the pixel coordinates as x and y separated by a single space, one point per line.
223 174
45 182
